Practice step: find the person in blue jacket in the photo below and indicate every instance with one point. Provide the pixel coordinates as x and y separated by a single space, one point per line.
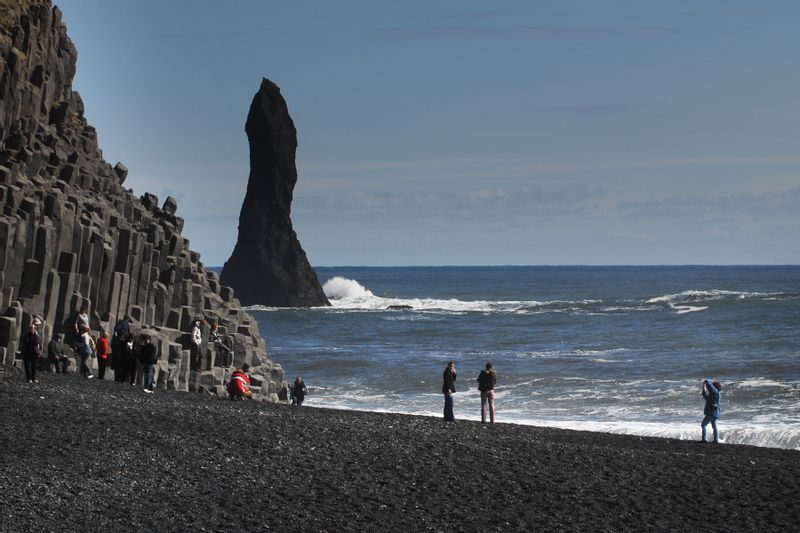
711 393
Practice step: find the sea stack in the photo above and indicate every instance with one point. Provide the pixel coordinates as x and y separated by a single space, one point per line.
268 266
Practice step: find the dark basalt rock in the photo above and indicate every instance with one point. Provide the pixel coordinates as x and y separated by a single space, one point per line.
268 266
69 232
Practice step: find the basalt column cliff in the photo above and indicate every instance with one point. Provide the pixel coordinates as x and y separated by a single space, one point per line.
70 233
268 266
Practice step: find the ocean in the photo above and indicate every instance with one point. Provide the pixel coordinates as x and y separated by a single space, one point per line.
615 349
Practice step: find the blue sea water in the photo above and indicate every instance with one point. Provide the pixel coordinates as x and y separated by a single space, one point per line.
618 349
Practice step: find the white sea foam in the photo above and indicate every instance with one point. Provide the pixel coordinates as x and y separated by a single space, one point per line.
768 433
348 294
683 309
711 295
758 383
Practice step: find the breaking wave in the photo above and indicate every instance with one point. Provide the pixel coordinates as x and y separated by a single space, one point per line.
349 295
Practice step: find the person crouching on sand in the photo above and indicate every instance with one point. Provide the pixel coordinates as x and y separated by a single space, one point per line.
486 382
448 389
711 393
239 385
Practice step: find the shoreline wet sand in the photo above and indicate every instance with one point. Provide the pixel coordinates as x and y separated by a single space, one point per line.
92 456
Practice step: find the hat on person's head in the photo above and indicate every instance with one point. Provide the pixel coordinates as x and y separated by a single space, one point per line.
37 322
245 367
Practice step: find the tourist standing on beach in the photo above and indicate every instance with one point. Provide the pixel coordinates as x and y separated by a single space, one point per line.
299 391
487 379
85 350
124 360
56 355
31 349
711 393
197 339
148 356
127 363
102 354
82 320
448 389
122 331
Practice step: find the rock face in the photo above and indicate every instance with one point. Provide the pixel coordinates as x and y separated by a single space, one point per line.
268 266
70 232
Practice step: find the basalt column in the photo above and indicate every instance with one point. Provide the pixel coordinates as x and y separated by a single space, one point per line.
268 266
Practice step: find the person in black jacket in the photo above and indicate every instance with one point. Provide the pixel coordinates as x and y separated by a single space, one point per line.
487 379
130 361
148 356
122 330
31 349
299 391
448 389
124 360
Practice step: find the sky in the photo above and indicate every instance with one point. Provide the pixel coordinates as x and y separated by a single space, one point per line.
465 132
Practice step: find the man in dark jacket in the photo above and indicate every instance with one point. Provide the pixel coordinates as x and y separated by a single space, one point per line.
487 379
711 393
299 391
31 349
56 354
448 389
148 356
122 330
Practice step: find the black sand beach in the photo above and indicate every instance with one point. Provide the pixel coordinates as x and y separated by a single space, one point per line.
99 456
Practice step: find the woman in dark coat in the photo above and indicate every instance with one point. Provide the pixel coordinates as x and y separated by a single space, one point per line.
31 349
448 389
124 360
299 391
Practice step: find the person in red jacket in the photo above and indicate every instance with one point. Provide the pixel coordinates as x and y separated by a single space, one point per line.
239 384
102 354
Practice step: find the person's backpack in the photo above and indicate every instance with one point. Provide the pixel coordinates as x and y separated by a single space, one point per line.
481 381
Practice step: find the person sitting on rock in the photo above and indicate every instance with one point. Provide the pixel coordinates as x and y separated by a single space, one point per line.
56 354
299 391
31 349
239 384
217 338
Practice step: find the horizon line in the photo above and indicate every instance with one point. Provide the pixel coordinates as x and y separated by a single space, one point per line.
558 265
